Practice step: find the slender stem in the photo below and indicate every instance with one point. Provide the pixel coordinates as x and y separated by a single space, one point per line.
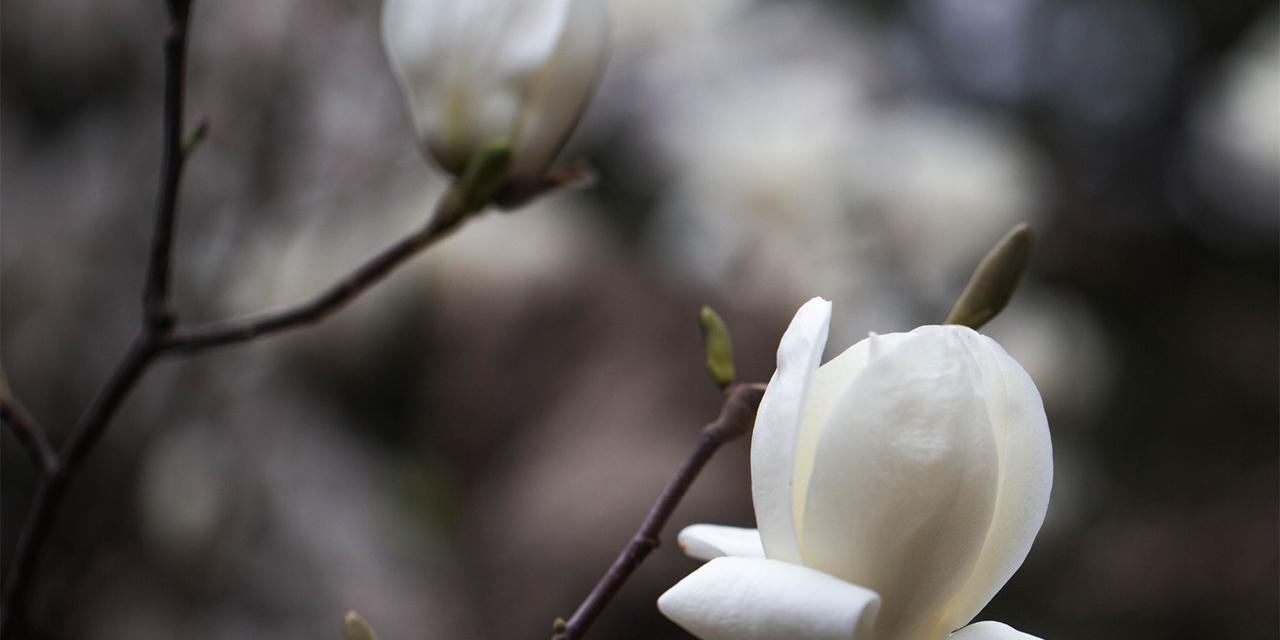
29 433
52 486
152 343
327 302
736 416
31 539
158 336
157 321
93 422
155 298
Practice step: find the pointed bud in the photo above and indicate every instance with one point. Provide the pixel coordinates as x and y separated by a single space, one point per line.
486 171
995 279
355 627
719 348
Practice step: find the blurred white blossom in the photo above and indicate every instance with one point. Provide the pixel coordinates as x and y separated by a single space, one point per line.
648 24
786 167
519 71
944 185
1237 133
757 126
190 501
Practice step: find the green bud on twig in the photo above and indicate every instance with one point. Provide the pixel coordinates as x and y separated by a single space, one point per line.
715 339
995 279
485 174
355 627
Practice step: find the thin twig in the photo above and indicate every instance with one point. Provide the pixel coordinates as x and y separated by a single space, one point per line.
52 487
334 298
149 345
158 316
736 416
29 433
159 335
157 321
158 338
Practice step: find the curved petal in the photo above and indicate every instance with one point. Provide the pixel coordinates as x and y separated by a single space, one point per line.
707 541
991 631
560 92
1026 477
773 439
825 390
756 599
417 48
466 67
904 480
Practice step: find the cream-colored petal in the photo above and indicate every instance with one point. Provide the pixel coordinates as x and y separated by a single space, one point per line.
758 599
468 67
825 390
773 440
707 541
418 48
904 480
991 631
560 92
1026 477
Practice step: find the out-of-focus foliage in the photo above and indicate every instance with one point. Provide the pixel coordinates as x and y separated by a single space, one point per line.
463 451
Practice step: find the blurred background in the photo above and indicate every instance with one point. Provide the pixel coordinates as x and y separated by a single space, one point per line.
461 452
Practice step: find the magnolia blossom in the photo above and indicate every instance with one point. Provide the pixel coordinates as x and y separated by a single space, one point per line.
478 71
896 489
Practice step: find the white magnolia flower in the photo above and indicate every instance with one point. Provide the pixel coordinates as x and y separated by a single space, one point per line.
896 488
479 70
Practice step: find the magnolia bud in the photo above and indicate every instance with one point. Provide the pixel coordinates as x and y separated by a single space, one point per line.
718 347
355 627
480 72
994 281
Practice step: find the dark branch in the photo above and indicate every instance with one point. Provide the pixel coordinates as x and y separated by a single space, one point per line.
84 435
151 343
157 322
155 298
157 335
332 299
30 540
29 433
735 419
155 339
104 405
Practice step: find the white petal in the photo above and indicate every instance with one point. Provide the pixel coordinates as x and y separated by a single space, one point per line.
756 599
825 390
707 541
560 91
904 480
773 440
1026 476
467 67
991 631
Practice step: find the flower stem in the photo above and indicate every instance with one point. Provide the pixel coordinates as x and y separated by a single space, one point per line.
735 419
